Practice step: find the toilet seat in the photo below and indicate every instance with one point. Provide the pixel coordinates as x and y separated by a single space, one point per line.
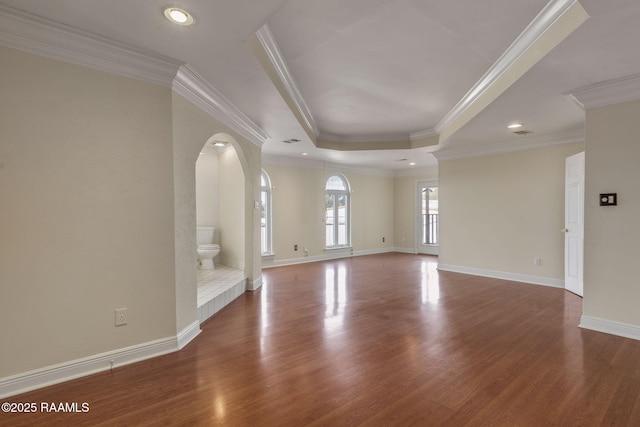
208 246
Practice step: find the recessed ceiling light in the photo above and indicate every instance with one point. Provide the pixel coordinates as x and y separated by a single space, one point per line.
412 164
178 16
304 154
514 126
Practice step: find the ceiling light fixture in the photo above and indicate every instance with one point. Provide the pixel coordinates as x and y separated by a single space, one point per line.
515 126
412 164
304 154
217 143
178 16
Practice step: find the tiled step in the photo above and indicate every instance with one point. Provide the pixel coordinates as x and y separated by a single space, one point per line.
217 288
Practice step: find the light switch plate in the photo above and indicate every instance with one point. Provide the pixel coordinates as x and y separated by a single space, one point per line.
608 199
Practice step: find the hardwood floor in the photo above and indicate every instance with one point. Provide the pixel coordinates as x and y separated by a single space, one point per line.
373 340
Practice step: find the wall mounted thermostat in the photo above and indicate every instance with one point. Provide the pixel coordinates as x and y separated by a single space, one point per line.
609 199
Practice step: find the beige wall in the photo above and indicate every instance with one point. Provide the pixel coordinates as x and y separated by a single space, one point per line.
86 212
298 211
207 194
405 199
192 128
611 288
230 232
98 212
499 212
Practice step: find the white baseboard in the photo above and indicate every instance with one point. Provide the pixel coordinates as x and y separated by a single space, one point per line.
255 285
406 250
21 383
610 327
329 255
188 334
515 277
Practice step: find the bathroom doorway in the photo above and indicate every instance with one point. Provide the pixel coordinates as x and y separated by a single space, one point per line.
219 197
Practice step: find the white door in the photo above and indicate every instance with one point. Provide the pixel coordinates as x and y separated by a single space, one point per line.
427 218
574 223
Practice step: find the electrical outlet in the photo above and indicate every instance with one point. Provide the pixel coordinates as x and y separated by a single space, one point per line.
383 240
537 261
121 316
295 247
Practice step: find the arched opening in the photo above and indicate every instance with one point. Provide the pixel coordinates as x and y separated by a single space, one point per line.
337 212
220 229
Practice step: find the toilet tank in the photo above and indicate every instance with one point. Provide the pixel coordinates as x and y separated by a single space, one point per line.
204 235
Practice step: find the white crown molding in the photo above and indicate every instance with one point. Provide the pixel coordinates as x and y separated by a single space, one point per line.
423 171
270 47
33 34
514 277
536 29
610 327
427 133
522 143
307 163
274 55
195 88
363 138
540 25
27 381
609 92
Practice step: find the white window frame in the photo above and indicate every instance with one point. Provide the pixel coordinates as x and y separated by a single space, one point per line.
266 199
419 247
335 193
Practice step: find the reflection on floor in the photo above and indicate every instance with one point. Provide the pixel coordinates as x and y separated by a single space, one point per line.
217 288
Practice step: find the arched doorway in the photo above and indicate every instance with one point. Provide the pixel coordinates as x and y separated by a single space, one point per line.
192 129
219 198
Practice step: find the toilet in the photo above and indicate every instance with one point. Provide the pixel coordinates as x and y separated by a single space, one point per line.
207 250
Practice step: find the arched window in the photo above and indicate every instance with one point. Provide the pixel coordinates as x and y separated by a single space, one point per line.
265 218
337 217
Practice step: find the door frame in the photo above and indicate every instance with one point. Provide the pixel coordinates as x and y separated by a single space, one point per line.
574 224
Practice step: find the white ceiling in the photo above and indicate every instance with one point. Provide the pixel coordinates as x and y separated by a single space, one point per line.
376 69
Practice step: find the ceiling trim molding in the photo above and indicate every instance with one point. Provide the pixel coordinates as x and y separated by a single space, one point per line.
415 172
523 143
540 25
330 137
306 163
427 133
30 33
40 36
195 88
615 91
274 55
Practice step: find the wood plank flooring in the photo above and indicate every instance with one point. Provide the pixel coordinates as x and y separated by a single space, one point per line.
375 340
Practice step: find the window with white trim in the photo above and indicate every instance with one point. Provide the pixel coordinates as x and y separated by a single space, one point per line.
337 215
265 215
